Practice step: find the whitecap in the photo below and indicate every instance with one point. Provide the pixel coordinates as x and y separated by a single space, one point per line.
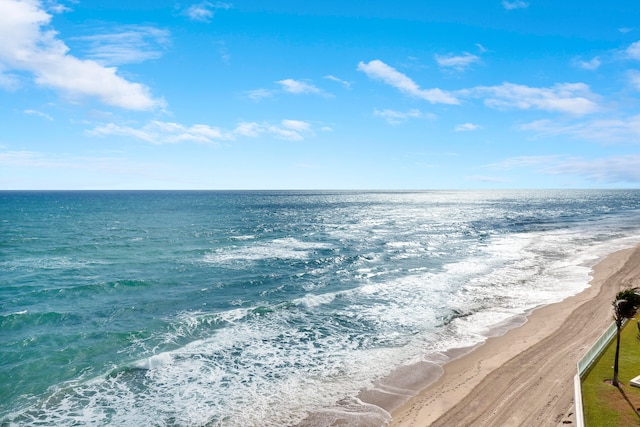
311 300
154 362
285 248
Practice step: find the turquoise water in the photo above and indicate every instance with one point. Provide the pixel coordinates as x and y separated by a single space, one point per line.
256 308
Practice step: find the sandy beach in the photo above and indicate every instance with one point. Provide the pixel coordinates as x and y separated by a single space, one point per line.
525 377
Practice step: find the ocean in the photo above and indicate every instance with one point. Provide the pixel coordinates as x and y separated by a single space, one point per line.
266 308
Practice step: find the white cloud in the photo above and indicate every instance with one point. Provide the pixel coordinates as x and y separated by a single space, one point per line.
130 44
633 51
173 132
206 131
283 133
248 129
336 79
457 62
298 87
259 94
200 12
8 81
157 132
58 8
610 170
39 114
378 70
27 45
54 7
625 30
292 130
524 161
571 98
605 131
634 78
204 11
114 129
589 65
398 117
466 127
296 125
516 4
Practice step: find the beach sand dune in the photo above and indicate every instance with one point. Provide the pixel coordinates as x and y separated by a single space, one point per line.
525 377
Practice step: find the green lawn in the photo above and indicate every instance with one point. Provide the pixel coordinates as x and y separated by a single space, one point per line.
608 406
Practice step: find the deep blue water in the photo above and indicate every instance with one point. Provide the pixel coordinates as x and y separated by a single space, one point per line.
255 308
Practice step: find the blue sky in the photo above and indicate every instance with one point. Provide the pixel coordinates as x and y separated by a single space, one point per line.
286 94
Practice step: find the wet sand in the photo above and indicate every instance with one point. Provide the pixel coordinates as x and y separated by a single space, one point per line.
525 376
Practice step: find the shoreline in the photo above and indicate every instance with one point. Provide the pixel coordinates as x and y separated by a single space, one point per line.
524 376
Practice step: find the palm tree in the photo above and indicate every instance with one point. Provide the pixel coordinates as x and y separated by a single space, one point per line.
625 306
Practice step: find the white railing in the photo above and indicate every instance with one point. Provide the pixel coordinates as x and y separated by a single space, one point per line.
577 393
596 349
583 364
